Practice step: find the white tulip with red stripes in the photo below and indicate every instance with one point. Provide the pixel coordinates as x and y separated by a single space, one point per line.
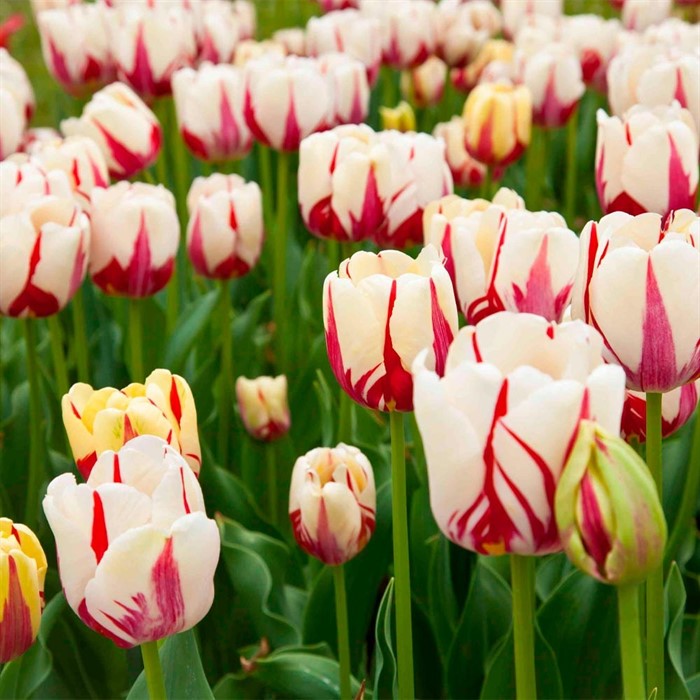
499 426
136 551
22 181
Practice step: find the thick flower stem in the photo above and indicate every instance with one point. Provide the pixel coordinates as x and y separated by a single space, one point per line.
271 460
80 337
487 183
534 170
280 263
571 165
153 671
226 387
36 468
630 642
399 513
345 419
136 340
265 177
655 581
522 571
341 616
58 355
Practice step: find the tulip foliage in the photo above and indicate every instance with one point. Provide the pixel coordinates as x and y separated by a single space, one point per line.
336 333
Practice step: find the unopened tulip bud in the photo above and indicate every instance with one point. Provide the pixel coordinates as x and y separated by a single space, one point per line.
12 123
225 233
293 39
249 50
13 78
399 118
466 171
106 419
608 513
332 503
463 28
138 262
22 572
136 551
218 31
43 256
497 123
637 15
124 128
246 14
262 403
424 84
21 182
349 89
493 52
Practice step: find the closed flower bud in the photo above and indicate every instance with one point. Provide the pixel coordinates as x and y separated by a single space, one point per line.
13 78
23 181
498 427
124 128
608 513
463 28
344 183
293 39
22 572
138 262
635 282
332 503
249 50
493 52
225 233
218 31
424 84
76 47
209 106
262 403
497 123
349 89
627 148
246 14
43 256
136 551
12 123
640 14
400 118
379 312
466 172
105 419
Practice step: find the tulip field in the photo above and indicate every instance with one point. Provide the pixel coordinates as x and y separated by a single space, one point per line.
349 349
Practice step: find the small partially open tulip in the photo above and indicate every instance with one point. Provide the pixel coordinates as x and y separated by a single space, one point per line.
379 312
124 128
466 171
21 182
105 419
332 503
262 403
43 256
424 84
209 106
497 122
22 572
138 262
136 551
400 118
608 513
225 233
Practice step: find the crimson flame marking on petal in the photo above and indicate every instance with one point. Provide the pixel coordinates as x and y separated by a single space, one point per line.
85 464
185 502
175 405
442 333
99 541
16 634
679 193
116 470
35 300
593 534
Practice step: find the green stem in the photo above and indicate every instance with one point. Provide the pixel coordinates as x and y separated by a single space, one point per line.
58 355
534 171
226 386
388 79
689 499
522 571
571 168
265 175
345 419
655 580
630 642
487 184
418 451
136 340
341 616
36 468
280 264
399 513
153 671
81 340
271 460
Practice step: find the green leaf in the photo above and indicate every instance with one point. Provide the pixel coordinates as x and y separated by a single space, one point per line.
675 605
691 645
551 571
182 670
326 409
441 598
386 668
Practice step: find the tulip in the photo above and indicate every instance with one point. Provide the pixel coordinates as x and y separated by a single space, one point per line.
277 105
466 172
424 84
463 28
332 503
249 50
138 262
13 78
21 182
12 123
494 52
105 419
497 122
420 175
43 256
400 118
553 76
333 5
293 39
136 551
516 13
634 282
225 233
34 139
246 14
219 31
345 180
76 47
640 14
379 311
39 6
209 106
348 87
674 34
22 571
348 32
647 161
677 408
262 403
609 516
149 44
498 427
124 128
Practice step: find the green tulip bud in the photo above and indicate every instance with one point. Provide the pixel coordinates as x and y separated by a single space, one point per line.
608 513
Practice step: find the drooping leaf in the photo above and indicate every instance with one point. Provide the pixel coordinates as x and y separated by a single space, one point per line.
386 665
674 592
